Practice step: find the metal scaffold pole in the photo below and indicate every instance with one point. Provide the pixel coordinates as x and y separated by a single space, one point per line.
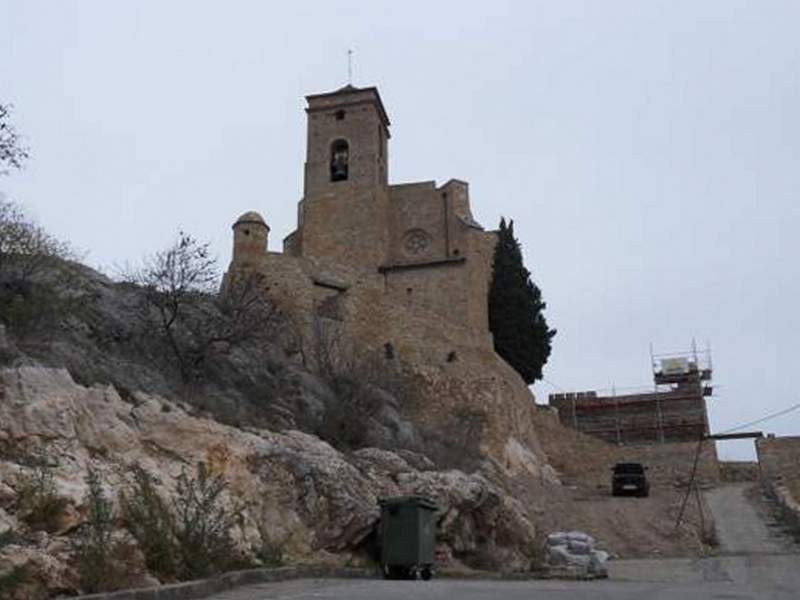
616 413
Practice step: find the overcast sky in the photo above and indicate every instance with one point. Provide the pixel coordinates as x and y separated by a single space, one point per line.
649 152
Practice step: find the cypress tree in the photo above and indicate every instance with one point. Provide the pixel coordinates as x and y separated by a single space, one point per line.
521 335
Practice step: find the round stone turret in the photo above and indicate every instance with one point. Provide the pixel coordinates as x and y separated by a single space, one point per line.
250 238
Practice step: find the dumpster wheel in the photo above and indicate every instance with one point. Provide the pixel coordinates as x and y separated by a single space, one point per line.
397 572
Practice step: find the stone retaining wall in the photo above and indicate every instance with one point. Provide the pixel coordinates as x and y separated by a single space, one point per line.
779 463
779 459
671 461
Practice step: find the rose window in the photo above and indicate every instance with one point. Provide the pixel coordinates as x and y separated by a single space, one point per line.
416 242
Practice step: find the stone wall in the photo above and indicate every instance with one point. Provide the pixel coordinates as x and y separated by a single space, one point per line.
480 247
779 463
347 227
587 458
442 214
417 224
299 285
672 462
357 117
736 471
779 460
442 289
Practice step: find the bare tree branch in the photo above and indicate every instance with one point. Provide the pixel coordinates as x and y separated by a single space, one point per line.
181 307
13 152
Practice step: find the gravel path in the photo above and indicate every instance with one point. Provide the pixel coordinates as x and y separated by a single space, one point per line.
740 523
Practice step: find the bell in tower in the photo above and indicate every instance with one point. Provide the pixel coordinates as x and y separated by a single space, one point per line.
339 159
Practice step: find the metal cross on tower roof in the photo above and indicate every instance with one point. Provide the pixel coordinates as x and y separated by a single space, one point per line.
350 66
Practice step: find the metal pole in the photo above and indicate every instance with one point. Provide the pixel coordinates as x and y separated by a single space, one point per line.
350 66
616 413
708 352
700 510
691 483
652 360
653 367
660 419
574 413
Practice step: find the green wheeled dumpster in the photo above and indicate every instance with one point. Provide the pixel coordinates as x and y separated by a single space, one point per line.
408 537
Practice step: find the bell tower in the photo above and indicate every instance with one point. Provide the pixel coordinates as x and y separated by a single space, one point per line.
343 215
347 143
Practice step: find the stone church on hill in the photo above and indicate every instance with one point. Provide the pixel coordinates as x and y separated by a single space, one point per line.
401 272
395 263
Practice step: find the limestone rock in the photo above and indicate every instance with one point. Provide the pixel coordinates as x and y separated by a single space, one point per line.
311 499
47 574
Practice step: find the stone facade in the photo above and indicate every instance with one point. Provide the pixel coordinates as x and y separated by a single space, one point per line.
779 463
402 271
779 460
387 260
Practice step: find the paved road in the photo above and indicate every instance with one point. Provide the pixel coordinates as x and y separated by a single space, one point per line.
755 563
769 577
740 522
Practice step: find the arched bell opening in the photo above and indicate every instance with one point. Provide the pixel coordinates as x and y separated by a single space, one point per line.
340 158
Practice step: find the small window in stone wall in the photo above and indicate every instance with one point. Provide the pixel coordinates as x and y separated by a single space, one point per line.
339 115
340 159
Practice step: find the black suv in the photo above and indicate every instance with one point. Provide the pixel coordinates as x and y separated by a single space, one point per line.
629 479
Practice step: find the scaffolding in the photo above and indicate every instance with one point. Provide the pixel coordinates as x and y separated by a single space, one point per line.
676 370
672 409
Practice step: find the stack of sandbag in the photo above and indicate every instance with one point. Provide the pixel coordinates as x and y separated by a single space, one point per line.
574 550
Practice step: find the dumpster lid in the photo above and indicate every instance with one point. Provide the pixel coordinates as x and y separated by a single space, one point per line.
420 501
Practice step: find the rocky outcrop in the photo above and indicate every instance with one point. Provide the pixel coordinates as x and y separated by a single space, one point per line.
318 504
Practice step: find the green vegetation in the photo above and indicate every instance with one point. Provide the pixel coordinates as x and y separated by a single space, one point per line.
38 284
202 525
38 504
13 580
187 539
7 537
520 331
100 558
149 520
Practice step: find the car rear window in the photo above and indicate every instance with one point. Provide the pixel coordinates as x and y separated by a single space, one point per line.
628 468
